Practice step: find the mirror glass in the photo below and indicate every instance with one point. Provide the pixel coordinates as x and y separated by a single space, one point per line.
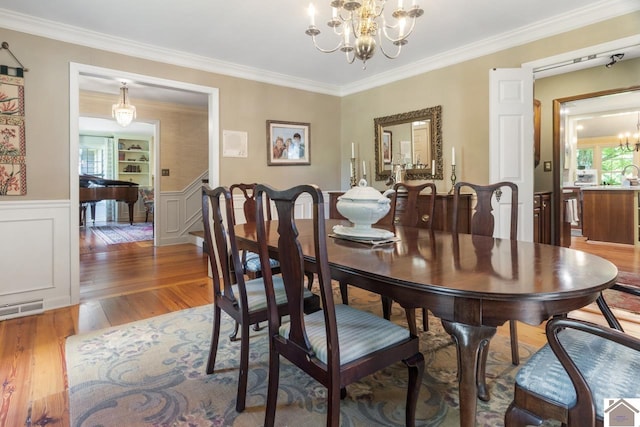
412 140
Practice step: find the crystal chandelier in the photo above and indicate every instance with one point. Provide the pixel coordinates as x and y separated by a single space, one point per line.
123 111
359 23
624 139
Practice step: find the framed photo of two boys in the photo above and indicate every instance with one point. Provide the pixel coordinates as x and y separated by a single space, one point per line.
288 143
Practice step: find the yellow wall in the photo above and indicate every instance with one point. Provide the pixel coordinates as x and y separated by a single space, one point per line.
463 91
245 105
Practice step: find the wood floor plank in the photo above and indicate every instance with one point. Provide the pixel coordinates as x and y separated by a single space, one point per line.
16 363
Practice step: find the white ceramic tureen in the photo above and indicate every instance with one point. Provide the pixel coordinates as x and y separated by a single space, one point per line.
363 206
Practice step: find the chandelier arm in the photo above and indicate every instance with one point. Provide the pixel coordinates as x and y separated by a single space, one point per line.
384 52
404 37
340 44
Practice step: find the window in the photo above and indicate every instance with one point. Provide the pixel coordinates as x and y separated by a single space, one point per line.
91 162
614 160
585 157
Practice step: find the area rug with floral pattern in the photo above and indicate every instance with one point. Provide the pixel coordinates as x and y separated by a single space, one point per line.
152 373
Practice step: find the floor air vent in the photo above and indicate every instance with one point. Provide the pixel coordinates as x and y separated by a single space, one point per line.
25 308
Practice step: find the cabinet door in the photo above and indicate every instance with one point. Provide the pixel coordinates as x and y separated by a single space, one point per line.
545 218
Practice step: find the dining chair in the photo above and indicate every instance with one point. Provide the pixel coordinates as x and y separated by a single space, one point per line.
244 302
339 344
582 375
483 223
250 260
147 195
410 213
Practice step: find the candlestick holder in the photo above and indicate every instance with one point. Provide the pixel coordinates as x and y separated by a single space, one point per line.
354 180
453 178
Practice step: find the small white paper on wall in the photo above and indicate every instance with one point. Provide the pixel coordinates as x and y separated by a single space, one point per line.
234 143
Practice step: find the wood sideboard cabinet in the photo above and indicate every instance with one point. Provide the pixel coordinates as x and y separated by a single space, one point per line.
443 215
542 217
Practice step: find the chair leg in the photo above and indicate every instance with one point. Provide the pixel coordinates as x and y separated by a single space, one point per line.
425 319
343 292
214 340
517 417
234 335
244 369
416 370
333 406
386 307
309 279
513 330
343 393
608 314
272 388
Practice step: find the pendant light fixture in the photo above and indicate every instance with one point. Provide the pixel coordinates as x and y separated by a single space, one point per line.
123 111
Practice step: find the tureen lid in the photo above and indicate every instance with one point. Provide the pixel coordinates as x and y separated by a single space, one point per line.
363 192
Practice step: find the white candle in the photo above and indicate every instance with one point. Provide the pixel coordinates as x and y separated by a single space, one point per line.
312 13
353 150
364 167
433 167
399 4
453 156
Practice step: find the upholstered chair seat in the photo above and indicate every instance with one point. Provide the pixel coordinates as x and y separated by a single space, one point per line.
359 333
610 369
579 377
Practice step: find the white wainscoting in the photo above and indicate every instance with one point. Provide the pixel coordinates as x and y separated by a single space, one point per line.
34 257
180 213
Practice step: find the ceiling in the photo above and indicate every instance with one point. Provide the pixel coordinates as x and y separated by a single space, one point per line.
267 43
248 37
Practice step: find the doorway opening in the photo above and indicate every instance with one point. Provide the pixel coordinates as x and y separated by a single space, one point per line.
114 78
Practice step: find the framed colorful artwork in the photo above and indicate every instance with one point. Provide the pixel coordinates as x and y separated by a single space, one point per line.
288 143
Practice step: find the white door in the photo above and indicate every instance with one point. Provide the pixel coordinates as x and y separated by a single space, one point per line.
511 145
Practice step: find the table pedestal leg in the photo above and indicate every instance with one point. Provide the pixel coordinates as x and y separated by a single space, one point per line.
469 340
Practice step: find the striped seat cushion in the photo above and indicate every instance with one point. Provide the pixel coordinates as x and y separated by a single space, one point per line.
610 369
359 333
256 296
252 262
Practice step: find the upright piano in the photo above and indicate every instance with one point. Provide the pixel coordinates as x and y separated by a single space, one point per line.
94 189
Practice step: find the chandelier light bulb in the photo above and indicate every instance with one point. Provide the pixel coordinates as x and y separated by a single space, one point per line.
123 111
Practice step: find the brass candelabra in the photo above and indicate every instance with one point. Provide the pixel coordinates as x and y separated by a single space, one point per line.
453 178
354 180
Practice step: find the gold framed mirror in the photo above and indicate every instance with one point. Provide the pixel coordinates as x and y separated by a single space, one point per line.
413 140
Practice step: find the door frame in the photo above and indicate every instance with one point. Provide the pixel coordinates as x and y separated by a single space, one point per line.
77 69
566 63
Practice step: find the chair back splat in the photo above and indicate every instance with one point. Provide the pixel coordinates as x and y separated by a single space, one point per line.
482 220
339 344
409 213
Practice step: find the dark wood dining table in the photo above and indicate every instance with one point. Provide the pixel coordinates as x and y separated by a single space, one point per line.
472 283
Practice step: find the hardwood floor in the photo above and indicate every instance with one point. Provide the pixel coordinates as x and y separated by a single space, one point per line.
133 281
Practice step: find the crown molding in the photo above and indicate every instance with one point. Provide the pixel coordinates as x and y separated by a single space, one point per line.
601 11
70 34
